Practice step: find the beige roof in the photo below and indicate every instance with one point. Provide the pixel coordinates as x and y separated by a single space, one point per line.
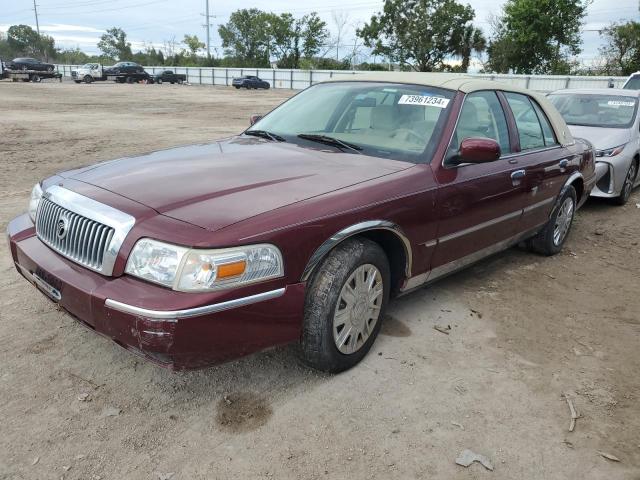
465 84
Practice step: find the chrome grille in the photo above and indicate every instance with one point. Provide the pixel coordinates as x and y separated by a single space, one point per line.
78 238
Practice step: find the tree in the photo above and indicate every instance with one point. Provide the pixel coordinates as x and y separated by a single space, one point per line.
194 44
114 44
621 52
245 37
537 36
420 34
253 37
473 41
24 40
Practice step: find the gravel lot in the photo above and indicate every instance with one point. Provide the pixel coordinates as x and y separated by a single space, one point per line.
524 331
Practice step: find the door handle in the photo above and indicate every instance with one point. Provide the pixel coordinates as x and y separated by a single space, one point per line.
517 176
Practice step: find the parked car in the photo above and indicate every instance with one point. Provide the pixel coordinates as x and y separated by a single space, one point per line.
128 72
610 120
249 82
170 76
302 228
29 64
633 82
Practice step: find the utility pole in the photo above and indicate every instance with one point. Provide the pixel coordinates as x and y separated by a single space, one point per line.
208 33
35 9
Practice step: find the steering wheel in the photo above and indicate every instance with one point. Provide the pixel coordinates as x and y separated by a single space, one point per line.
408 134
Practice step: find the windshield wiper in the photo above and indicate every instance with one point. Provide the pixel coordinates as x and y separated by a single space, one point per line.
330 141
264 134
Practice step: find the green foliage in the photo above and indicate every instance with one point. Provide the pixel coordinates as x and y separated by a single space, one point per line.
252 37
373 67
324 63
194 44
621 52
114 44
22 40
420 34
537 36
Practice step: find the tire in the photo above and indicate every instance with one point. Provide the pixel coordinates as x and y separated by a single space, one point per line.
180 82
322 332
129 80
77 81
553 236
49 69
159 81
237 87
627 187
87 79
36 78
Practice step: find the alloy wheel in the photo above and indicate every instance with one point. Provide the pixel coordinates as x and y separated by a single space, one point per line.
628 181
563 221
358 309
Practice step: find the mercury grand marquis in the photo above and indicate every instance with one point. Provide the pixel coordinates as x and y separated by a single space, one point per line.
300 229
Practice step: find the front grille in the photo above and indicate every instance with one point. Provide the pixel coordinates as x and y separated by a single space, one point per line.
78 238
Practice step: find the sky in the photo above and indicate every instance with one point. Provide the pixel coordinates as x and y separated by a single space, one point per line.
152 22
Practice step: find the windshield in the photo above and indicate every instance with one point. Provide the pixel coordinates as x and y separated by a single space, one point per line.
609 111
386 120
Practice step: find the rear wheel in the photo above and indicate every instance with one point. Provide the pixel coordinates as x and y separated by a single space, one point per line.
36 78
159 81
627 187
553 236
49 69
129 80
87 79
344 306
77 81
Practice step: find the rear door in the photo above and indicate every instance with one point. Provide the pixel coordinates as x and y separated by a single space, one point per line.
546 164
479 205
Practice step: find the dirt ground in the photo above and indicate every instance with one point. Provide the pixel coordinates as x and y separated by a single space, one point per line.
524 331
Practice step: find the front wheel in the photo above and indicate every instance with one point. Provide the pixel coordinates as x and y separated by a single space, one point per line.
344 306
553 236
627 187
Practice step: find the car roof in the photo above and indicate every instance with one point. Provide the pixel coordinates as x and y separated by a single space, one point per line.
464 84
599 91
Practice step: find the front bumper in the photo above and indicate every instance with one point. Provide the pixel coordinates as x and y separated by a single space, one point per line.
175 329
610 175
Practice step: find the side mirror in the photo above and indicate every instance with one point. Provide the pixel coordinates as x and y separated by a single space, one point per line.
479 150
253 119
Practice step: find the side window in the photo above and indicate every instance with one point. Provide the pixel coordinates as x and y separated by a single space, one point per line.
547 130
529 128
482 116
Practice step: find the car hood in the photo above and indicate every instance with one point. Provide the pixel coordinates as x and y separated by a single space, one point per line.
218 184
602 138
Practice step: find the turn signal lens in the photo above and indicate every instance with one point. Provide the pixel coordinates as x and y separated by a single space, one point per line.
232 269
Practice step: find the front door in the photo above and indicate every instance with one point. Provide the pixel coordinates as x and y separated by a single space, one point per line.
478 205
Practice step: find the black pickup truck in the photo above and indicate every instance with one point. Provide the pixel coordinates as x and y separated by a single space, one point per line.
169 76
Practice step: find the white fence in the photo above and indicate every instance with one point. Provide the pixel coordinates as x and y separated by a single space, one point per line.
299 79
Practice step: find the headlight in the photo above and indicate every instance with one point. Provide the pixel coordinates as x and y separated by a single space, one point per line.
197 270
34 201
610 152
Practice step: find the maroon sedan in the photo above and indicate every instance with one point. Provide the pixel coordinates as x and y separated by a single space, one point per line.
302 228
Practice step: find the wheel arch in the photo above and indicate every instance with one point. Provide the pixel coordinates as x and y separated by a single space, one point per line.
387 234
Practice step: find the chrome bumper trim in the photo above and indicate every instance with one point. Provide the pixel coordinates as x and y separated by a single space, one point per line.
174 315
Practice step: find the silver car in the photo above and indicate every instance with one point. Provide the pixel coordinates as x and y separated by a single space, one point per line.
609 119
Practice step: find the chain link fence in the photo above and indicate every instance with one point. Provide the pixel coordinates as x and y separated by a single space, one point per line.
299 79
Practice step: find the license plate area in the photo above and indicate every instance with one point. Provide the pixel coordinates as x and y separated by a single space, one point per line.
49 290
